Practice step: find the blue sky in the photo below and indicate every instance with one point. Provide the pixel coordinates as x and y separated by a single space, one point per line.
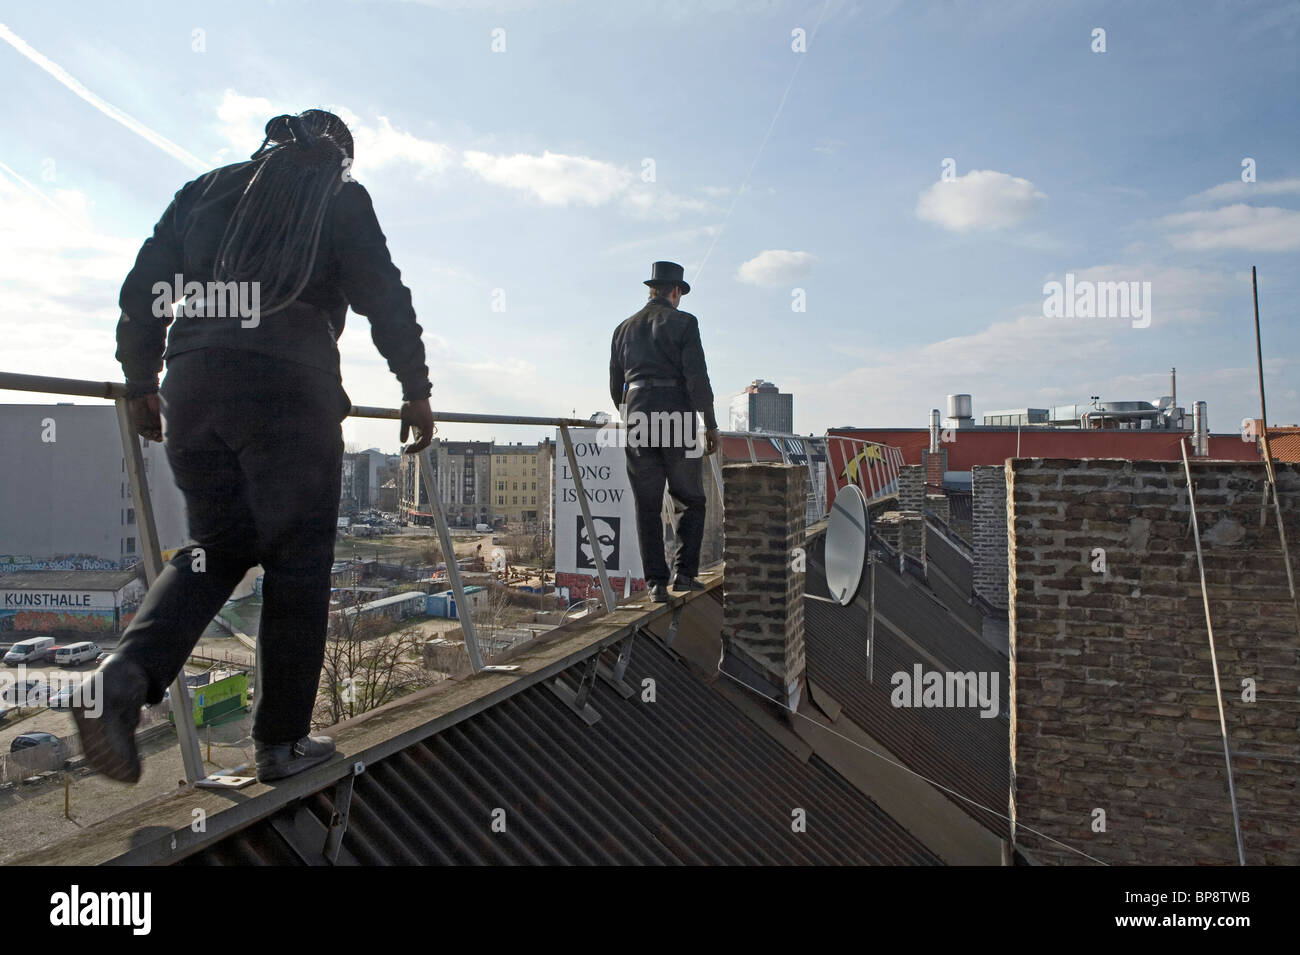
523 171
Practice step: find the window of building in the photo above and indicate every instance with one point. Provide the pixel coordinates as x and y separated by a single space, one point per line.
501 499
515 501
130 545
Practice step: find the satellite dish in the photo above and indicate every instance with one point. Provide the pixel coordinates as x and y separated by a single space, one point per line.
846 544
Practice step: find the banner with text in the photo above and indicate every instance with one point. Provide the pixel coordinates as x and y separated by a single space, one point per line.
603 471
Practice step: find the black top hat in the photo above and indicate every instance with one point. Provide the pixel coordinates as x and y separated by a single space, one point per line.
667 273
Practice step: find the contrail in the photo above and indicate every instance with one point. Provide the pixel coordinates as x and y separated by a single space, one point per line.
108 109
37 193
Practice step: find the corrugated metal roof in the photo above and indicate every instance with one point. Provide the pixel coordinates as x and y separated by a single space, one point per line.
956 748
687 778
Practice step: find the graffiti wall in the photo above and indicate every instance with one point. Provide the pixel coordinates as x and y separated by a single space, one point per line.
45 621
20 563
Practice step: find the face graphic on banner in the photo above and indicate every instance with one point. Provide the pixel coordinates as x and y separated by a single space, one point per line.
607 531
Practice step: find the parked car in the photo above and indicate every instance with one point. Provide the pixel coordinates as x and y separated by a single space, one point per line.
32 740
26 693
63 699
29 651
75 654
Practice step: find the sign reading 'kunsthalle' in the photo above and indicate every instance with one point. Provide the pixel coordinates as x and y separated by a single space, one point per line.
54 600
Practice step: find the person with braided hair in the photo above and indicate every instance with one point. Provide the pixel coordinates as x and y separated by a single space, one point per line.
252 406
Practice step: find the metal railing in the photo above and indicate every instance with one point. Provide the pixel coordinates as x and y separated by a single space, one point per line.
152 555
871 466
875 472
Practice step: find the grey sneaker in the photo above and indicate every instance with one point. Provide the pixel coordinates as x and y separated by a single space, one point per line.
107 725
282 760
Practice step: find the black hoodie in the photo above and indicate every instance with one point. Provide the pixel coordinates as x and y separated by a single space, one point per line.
352 268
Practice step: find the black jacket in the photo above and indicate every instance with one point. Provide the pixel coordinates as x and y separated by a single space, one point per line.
352 267
662 342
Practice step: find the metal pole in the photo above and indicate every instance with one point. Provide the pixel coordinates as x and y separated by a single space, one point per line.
606 590
151 556
1214 663
871 622
1268 454
463 610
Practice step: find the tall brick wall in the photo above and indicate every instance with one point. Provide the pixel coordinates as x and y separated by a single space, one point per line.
989 532
762 593
938 506
1113 703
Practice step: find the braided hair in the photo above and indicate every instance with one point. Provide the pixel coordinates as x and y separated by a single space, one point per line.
274 233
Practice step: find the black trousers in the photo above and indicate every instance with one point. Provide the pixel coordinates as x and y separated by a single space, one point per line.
648 469
255 445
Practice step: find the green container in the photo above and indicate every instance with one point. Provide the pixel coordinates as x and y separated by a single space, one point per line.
219 701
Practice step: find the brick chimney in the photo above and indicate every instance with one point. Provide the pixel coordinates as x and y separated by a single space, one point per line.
989 532
935 464
762 594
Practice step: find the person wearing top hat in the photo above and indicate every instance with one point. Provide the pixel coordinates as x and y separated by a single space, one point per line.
657 365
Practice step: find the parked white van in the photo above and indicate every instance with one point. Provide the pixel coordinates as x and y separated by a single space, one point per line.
32 650
75 654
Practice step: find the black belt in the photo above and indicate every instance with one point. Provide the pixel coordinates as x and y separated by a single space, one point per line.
654 382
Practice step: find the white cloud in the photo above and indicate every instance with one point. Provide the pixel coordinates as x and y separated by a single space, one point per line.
648 202
553 178
61 275
1252 228
1228 191
556 179
774 267
243 125
1026 360
384 145
981 199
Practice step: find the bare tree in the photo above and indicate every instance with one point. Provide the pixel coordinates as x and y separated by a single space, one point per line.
431 553
492 617
366 667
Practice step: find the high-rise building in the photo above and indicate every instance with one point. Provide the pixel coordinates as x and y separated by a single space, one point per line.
762 407
364 472
463 476
65 502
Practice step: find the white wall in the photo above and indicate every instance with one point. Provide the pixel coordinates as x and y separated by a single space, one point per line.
65 496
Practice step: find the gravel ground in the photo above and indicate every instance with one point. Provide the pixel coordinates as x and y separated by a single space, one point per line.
31 814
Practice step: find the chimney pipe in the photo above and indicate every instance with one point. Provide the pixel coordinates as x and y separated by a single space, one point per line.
934 431
1173 388
1200 429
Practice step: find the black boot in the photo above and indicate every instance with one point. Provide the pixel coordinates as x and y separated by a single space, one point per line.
107 716
687 583
281 760
659 592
